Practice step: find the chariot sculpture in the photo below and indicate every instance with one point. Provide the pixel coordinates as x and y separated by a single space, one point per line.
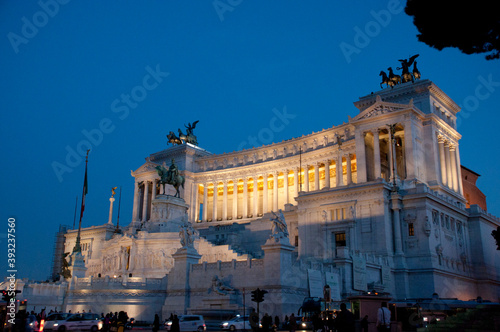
189 137
392 79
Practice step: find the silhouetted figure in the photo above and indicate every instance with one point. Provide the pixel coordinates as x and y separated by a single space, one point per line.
156 323
345 320
175 325
364 324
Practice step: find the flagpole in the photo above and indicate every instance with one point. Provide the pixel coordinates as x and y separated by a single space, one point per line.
77 247
74 217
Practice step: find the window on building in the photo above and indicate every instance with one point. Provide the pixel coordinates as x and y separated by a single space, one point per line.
340 239
411 229
296 240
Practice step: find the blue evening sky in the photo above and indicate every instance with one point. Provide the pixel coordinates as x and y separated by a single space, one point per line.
125 73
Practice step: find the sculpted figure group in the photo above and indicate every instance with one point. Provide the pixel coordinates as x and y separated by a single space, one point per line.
189 137
393 79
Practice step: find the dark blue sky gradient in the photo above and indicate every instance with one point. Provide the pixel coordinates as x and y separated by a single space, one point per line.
228 70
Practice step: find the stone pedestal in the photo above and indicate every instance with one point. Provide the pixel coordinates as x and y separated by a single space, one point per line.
167 214
179 290
276 272
76 267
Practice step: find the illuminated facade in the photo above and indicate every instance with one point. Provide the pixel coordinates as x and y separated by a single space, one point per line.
376 203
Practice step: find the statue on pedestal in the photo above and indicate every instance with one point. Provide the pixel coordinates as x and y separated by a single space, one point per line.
171 176
279 228
187 235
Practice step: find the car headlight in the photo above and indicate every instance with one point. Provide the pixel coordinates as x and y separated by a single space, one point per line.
225 324
169 323
303 324
55 324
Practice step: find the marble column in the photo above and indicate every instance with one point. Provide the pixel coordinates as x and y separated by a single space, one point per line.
376 153
449 181
327 174
214 203
196 202
285 186
306 178
235 199
442 160
255 197
135 212
245 198
340 172
145 201
316 176
265 195
153 192
296 180
110 219
224 200
459 170
205 202
348 168
454 172
275 191
360 156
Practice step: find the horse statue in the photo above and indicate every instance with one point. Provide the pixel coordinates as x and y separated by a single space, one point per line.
396 79
173 139
189 138
416 73
385 80
171 176
405 64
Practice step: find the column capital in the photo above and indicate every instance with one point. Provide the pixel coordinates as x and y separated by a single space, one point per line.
441 138
452 147
375 131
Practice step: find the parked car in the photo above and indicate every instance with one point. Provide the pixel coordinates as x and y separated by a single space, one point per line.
52 321
236 323
189 323
86 321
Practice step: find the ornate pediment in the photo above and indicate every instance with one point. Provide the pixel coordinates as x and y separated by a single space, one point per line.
380 108
147 167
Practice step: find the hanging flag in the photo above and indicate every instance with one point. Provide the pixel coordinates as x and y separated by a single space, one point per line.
85 187
77 247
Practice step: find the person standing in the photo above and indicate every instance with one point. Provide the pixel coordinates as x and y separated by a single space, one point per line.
156 323
345 320
383 318
175 325
293 323
364 324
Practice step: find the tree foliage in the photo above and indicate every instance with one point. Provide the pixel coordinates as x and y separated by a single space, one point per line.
472 27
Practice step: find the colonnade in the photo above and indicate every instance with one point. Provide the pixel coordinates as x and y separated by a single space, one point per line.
252 196
449 161
144 193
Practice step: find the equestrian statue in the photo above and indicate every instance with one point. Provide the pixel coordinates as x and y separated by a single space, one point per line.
171 176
